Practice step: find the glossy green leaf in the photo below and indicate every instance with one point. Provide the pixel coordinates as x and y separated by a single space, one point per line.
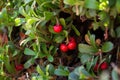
91 4
107 46
84 48
28 51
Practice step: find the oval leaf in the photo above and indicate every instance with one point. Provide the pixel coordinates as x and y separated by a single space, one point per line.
28 51
84 48
107 46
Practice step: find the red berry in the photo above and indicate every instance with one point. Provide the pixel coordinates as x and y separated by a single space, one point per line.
63 48
71 39
104 66
96 67
19 67
71 45
57 28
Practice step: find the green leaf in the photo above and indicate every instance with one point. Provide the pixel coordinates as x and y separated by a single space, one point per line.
51 69
92 40
50 58
19 21
61 71
73 76
111 2
84 58
29 63
59 38
81 72
91 4
27 1
22 11
95 25
107 46
44 48
48 15
28 51
118 5
39 70
70 2
84 48
76 30
8 65
118 32
114 75
62 21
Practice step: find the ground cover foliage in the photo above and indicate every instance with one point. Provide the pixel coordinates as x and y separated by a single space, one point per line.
59 39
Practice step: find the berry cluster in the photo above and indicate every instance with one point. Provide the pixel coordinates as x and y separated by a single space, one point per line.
65 47
70 46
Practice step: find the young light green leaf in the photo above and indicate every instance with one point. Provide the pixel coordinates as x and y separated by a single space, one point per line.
28 51
107 46
70 2
39 70
19 21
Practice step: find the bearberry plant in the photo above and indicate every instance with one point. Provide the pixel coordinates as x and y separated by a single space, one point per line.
59 39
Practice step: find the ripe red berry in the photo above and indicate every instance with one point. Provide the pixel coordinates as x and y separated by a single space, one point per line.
19 67
96 67
71 39
71 45
57 28
63 48
104 66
